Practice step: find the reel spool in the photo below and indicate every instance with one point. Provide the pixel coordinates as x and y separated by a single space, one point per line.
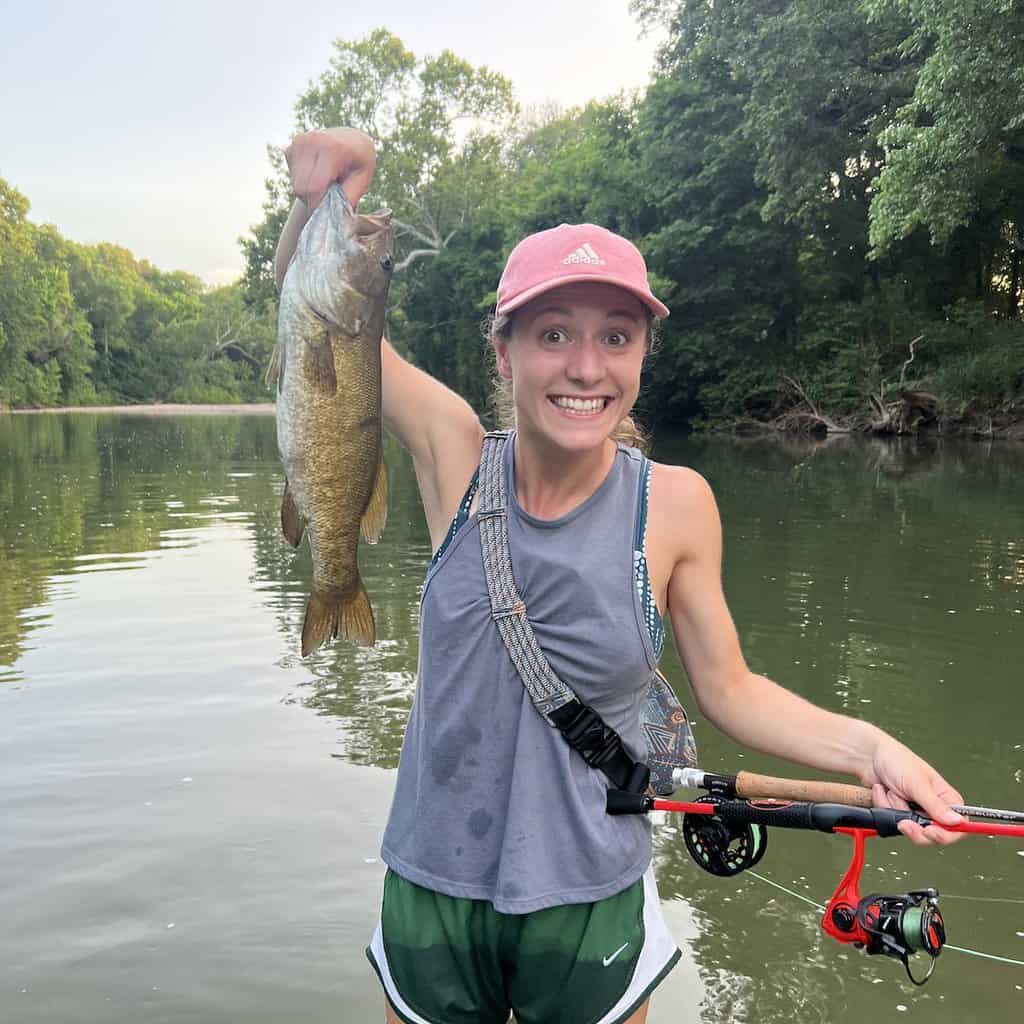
900 926
723 848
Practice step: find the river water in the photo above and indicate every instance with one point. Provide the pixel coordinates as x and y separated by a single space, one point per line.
190 814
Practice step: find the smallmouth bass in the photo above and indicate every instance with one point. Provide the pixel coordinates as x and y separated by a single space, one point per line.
330 323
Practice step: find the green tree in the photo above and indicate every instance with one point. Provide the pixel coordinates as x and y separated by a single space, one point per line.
45 343
730 278
416 109
957 145
219 352
577 165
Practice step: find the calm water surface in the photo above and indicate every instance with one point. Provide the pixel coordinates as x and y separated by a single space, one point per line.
190 815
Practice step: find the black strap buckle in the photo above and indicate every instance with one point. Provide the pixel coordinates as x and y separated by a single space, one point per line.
600 746
591 738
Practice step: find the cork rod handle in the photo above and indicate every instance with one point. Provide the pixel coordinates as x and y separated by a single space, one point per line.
752 787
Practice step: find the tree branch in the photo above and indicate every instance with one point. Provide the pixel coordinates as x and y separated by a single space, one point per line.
414 255
417 233
903 371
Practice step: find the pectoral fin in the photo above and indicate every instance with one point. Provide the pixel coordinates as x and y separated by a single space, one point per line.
320 365
376 514
292 522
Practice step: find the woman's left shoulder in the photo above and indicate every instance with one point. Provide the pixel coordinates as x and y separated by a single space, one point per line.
682 523
679 490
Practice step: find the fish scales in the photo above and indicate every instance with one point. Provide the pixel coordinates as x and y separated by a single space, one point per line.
329 408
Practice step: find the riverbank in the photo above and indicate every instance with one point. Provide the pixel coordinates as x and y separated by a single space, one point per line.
912 413
971 430
159 409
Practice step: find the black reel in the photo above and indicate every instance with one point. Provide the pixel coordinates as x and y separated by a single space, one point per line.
720 847
900 926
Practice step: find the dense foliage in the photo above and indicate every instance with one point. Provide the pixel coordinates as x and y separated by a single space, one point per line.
87 324
830 196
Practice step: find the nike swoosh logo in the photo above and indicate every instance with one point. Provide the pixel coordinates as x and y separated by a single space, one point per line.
608 959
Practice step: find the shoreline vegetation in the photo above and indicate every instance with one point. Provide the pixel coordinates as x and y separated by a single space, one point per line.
869 279
804 420
160 409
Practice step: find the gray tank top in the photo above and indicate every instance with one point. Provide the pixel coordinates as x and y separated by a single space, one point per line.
490 802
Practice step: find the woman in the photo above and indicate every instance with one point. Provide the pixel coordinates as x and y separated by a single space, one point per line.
509 888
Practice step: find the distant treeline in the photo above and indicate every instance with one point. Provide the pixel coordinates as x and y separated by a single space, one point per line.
85 324
830 197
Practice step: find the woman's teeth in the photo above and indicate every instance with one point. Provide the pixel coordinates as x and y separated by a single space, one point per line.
581 405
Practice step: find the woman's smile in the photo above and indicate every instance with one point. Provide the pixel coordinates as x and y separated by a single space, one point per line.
579 407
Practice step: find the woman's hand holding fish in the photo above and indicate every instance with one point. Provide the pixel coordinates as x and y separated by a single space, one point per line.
317 159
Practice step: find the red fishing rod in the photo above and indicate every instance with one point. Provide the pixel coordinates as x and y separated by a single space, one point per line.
726 836
750 785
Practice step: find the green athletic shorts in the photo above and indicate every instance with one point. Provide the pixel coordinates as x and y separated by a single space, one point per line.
445 960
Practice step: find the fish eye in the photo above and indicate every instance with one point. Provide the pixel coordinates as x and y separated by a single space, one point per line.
387 264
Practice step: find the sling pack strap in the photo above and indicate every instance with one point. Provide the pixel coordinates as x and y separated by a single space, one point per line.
580 725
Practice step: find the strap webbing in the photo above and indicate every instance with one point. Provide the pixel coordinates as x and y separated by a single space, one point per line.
581 726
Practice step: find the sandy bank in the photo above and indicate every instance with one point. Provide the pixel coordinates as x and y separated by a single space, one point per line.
169 409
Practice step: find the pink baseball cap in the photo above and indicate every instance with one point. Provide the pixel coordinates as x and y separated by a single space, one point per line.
573 252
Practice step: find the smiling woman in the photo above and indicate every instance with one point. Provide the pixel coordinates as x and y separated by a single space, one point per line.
626 332
509 888
601 311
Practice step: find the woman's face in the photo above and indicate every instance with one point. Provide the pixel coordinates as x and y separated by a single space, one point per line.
574 358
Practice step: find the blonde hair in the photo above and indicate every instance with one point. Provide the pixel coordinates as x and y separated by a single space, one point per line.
627 430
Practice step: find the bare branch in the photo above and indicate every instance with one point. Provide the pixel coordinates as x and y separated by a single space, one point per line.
903 372
430 224
415 254
417 233
233 346
795 385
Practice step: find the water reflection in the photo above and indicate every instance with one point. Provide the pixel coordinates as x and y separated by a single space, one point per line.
85 493
882 580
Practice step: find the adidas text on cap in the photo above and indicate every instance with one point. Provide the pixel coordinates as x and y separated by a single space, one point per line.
573 252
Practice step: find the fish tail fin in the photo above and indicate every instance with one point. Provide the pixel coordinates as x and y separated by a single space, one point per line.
292 522
376 514
357 617
329 616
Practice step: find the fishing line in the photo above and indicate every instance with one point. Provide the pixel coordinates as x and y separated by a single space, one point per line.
960 949
987 956
820 907
983 899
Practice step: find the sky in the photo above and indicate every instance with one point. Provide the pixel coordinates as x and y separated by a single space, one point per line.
146 124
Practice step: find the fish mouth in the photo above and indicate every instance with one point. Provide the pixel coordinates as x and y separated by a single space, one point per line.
369 224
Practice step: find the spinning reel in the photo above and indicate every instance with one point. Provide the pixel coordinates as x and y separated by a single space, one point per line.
896 926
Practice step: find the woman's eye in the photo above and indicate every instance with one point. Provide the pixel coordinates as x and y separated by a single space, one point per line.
554 336
617 339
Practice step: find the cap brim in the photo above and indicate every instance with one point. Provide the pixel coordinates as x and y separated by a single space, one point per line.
658 309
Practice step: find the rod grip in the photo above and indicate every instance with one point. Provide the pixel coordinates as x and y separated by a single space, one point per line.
750 786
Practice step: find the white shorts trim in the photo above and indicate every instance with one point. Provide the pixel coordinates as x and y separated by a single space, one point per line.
658 954
380 960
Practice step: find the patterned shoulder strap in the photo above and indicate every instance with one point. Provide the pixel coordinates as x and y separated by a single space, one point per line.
581 726
508 609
